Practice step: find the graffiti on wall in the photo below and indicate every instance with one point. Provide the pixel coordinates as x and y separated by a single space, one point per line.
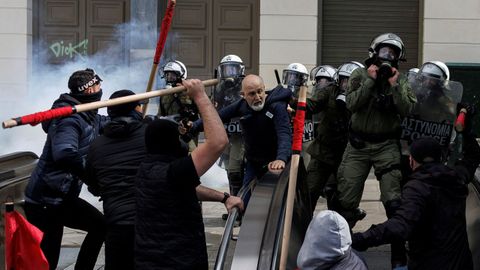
62 49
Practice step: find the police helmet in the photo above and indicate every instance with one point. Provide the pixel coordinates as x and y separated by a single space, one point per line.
390 40
174 71
231 66
295 74
435 69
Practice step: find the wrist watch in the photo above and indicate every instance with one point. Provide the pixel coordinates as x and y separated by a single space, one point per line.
225 197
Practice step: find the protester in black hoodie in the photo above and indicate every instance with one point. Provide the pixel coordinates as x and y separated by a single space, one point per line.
112 164
432 212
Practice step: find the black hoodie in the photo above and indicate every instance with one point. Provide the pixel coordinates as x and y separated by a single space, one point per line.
112 164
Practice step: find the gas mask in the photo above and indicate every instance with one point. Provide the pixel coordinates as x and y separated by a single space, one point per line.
172 78
385 60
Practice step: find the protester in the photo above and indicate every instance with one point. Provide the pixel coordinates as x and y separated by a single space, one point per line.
432 214
112 165
327 245
169 231
51 196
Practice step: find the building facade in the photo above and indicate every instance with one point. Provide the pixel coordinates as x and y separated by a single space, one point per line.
267 34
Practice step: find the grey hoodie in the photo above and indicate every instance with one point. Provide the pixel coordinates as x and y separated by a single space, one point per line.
327 245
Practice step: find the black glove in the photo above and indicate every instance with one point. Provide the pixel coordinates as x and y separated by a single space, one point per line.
359 242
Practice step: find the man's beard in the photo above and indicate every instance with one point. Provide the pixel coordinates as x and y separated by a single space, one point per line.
257 107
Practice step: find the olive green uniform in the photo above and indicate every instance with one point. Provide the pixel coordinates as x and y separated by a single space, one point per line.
224 96
329 144
173 105
373 138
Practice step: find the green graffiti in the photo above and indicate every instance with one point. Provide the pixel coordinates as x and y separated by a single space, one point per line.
61 49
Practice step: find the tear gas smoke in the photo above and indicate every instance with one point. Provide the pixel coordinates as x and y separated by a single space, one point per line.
47 82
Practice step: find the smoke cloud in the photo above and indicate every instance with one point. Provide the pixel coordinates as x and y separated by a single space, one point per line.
47 82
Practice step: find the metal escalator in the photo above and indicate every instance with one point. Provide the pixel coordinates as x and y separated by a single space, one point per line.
15 170
259 240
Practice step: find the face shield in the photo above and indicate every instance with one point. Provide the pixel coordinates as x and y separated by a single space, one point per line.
293 78
172 77
387 53
343 83
322 82
230 70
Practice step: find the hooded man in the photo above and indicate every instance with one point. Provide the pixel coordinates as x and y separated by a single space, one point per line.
327 245
432 213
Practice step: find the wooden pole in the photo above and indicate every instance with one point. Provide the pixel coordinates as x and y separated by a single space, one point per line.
110 102
292 184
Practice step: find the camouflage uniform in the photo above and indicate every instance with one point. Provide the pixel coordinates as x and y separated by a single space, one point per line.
329 144
373 139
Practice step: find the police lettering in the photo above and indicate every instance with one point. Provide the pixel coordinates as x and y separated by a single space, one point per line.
308 133
413 128
233 127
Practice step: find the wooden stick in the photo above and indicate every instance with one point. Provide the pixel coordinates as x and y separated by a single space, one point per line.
292 184
115 101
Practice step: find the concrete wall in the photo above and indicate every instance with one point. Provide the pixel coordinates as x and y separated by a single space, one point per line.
451 31
288 34
15 48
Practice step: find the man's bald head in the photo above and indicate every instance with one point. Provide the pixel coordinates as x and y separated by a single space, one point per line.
253 91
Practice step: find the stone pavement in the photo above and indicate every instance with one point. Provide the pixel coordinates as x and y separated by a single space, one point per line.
377 258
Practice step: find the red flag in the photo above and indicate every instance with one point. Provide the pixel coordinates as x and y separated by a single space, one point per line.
22 244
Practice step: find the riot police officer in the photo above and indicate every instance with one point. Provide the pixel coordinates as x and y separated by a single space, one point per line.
328 100
378 97
294 76
178 105
231 72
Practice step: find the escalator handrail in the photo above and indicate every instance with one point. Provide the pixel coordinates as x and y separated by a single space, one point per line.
229 225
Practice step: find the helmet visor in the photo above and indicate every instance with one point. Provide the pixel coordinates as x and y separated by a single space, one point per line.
172 77
322 82
230 70
387 53
343 83
293 78
432 70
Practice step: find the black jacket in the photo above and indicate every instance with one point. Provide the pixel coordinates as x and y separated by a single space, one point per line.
169 230
61 166
112 165
431 217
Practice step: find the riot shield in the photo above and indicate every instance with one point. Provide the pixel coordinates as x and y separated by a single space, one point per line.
434 113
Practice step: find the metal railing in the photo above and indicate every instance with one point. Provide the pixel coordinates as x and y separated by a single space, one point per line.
229 225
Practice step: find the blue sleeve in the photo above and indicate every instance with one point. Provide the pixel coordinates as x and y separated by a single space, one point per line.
65 136
283 129
226 114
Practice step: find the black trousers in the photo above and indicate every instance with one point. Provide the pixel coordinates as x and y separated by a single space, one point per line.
76 214
119 247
